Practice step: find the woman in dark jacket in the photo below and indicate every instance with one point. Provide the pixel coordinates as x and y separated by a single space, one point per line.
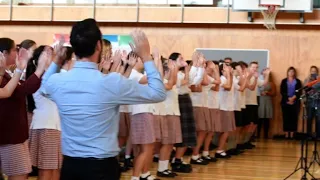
290 102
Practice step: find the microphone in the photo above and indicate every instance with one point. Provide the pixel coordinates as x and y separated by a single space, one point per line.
309 85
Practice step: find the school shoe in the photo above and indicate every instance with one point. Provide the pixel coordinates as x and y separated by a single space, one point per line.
249 145
241 147
181 167
199 161
210 159
234 152
128 163
167 174
222 155
155 159
150 177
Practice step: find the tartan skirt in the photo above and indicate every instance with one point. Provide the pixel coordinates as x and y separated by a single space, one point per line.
142 129
187 121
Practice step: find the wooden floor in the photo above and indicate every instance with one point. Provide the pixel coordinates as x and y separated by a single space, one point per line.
271 160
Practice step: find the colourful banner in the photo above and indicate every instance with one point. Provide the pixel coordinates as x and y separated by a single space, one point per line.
58 37
119 42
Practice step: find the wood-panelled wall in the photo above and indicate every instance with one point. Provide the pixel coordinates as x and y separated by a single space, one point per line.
296 46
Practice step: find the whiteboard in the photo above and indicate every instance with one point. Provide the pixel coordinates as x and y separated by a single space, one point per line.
289 5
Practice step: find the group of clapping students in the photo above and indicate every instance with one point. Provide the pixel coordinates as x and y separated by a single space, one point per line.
202 98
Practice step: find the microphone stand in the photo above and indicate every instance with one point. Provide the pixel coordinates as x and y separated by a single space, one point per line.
315 154
302 164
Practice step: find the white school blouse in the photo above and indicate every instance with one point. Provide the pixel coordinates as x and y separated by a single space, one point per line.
251 96
237 94
172 103
213 99
195 78
46 114
225 97
139 108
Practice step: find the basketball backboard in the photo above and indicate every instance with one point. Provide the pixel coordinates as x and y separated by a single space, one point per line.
285 5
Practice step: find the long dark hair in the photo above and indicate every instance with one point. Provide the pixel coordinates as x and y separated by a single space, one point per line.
174 56
6 44
31 68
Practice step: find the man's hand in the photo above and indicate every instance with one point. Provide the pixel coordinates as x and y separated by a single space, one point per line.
141 45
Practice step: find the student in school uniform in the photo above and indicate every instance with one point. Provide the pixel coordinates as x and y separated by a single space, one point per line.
142 130
170 127
201 114
45 130
14 152
186 76
210 98
239 85
251 112
227 122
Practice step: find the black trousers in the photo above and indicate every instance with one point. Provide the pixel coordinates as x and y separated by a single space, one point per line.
313 113
90 168
290 115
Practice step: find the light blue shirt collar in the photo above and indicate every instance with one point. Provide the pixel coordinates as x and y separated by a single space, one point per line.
86 65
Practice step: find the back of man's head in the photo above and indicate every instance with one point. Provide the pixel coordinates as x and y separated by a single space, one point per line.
84 38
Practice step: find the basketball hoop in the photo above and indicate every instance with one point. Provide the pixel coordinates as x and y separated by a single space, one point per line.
270 15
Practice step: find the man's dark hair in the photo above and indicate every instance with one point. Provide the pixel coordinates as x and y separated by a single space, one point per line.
254 62
234 65
243 64
6 44
84 37
226 58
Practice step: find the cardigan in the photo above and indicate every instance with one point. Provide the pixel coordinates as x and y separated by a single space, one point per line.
284 91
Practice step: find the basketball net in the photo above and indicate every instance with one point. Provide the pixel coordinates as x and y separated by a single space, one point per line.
270 15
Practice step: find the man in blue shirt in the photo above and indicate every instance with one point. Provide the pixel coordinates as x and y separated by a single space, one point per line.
88 103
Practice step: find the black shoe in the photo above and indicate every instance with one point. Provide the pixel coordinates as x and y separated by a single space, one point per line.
188 152
199 161
222 156
167 174
155 159
149 177
234 152
241 146
249 144
182 168
210 159
34 172
128 163
123 168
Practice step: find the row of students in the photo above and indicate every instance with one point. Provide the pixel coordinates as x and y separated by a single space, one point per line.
217 104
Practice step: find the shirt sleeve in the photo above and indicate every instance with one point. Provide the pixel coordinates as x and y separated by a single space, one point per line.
198 77
45 88
260 82
131 92
30 86
236 83
223 81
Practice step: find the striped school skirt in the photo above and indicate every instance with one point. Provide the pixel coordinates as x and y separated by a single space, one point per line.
227 122
142 129
45 148
202 118
15 159
124 126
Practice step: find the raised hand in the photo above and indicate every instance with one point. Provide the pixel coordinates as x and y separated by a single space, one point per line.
195 58
132 60
256 74
124 55
105 63
202 60
60 52
141 45
2 64
267 71
24 55
116 60
155 53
